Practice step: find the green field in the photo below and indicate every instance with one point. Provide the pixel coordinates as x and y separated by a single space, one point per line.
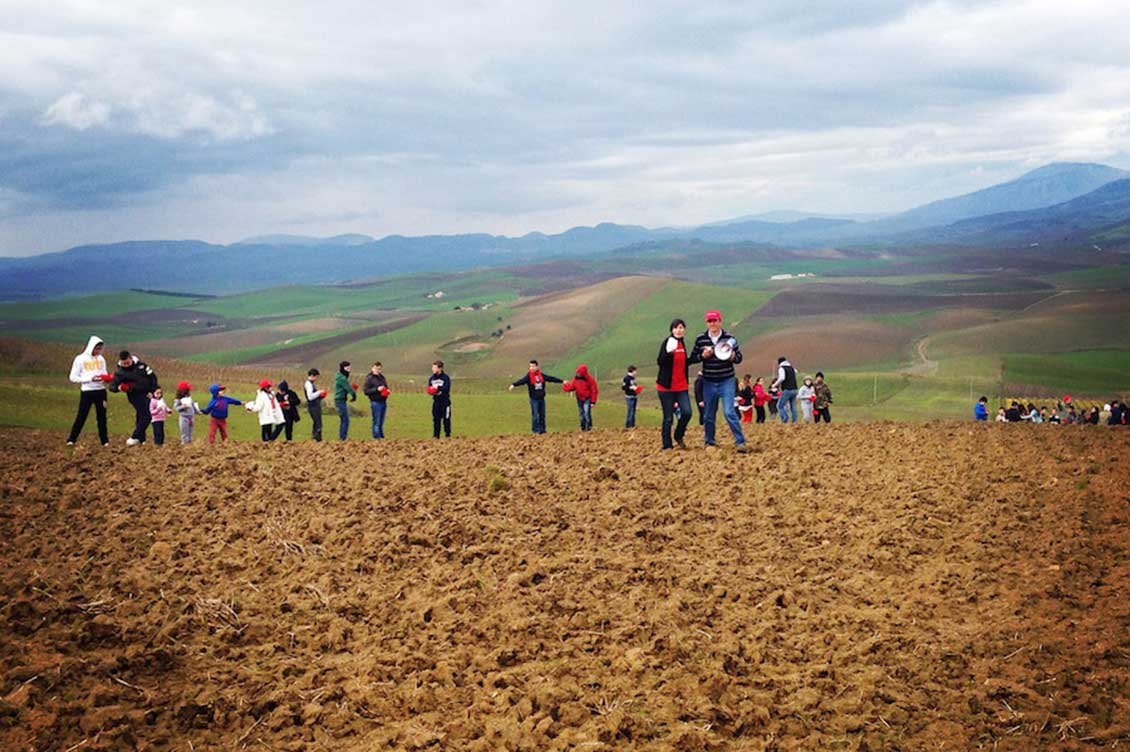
635 335
1070 341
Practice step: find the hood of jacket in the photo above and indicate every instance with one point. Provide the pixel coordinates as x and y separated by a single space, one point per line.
341 367
215 390
89 351
284 387
583 371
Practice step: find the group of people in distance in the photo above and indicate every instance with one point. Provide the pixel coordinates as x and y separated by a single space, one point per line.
1062 412
277 405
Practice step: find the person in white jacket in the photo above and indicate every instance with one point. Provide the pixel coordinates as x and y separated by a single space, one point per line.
89 371
271 419
806 396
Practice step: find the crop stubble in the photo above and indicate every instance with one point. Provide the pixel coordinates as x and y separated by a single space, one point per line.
855 587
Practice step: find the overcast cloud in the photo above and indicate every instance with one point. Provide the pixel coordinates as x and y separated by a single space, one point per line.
220 120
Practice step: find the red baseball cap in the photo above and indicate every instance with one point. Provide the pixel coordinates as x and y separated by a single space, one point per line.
264 383
712 314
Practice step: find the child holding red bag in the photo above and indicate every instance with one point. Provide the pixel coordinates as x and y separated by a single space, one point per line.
806 396
632 392
439 386
746 399
289 402
158 411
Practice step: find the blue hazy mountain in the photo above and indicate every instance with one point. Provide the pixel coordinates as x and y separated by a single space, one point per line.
1061 202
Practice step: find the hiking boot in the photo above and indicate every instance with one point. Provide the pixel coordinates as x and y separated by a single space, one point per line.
742 449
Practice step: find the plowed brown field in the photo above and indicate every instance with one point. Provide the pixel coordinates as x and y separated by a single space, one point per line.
856 587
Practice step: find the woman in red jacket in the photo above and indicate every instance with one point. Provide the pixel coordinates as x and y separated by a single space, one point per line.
672 383
584 387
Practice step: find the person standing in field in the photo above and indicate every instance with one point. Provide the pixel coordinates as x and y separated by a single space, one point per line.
271 420
88 370
439 386
314 397
376 389
760 398
217 410
344 393
158 411
585 389
535 382
806 396
138 381
745 399
631 396
786 382
672 387
822 406
187 409
981 410
289 402
718 374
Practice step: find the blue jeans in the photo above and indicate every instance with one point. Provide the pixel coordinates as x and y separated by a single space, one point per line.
786 404
584 409
343 416
672 401
379 409
537 415
630 419
723 391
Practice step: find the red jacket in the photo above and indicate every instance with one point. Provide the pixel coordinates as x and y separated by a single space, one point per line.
583 384
760 396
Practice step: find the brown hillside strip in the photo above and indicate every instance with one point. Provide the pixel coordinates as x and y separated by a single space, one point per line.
860 587
815 299
311 350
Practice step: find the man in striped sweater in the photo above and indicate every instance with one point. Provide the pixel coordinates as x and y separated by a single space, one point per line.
718 379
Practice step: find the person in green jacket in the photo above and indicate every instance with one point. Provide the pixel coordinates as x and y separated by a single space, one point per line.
343 391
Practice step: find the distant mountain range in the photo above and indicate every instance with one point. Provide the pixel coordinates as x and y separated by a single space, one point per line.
1063 202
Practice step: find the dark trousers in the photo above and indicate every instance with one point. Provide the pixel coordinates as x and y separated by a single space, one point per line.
701 413
159 432
669 401
537 415
630 418
760 413
824 412
343 419
441 413
95 398
315 409
288 427
271 431
143 419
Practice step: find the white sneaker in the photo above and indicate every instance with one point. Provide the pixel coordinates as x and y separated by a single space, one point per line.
132 441
70 443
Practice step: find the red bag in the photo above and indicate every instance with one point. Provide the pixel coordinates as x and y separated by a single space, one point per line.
432 390
384 391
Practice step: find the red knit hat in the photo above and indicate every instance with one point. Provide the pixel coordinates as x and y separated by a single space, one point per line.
265 384
184 385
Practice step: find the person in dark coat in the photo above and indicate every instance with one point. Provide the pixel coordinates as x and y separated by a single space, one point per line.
289 402
138 381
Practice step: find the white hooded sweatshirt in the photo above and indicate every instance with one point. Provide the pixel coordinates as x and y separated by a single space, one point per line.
87 367
270 412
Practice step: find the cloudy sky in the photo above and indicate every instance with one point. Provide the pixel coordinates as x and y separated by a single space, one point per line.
220 120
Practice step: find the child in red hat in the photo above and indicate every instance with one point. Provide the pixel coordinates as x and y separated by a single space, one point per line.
187 409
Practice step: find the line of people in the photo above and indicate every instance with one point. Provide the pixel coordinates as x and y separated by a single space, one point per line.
276 405
1114 413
